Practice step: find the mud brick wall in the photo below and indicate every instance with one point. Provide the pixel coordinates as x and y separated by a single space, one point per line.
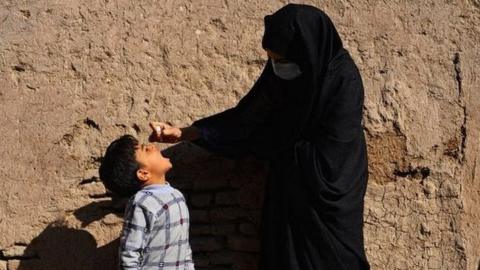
76 74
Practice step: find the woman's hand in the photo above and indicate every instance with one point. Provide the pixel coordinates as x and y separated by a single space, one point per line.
165 133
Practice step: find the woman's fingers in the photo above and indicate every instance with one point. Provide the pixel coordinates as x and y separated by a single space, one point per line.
157 130
162 125
163 132
169 131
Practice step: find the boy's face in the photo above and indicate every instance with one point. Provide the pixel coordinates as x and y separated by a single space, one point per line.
151 159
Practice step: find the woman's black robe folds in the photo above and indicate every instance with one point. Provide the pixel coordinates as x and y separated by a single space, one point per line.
310 131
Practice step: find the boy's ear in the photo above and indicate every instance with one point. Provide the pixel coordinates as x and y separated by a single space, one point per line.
143 175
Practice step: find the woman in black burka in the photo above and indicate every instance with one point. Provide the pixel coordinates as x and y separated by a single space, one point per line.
304 116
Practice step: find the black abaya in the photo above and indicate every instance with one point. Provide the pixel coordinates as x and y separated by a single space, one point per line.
310 131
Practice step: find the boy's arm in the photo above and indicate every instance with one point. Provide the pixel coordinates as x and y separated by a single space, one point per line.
132 240
188 258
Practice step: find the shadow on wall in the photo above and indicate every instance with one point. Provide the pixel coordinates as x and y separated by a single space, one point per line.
224 197
62 247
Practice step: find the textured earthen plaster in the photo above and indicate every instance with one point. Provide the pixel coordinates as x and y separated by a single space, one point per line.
74 75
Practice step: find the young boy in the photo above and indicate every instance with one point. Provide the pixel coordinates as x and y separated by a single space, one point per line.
155 231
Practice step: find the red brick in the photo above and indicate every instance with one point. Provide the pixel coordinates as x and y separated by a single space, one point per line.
227 214
201 200
248 229
240 243
223 229
199 216
206 243
226 198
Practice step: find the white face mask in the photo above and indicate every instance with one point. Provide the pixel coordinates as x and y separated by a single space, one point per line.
286 70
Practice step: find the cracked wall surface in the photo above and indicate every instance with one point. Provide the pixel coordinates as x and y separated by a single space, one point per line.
76 74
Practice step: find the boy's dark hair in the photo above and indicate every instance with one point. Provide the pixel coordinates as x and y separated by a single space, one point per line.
118 170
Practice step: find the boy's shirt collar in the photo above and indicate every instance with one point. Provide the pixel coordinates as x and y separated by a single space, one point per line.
157 186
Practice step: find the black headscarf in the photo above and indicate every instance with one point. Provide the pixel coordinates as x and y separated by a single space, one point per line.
309 128
305 35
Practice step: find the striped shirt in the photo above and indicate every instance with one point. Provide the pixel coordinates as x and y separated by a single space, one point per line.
155 231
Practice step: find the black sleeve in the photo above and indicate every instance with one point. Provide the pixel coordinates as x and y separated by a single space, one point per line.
233 132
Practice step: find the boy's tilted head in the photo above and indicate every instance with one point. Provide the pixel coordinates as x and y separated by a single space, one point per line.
119 167
127 166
